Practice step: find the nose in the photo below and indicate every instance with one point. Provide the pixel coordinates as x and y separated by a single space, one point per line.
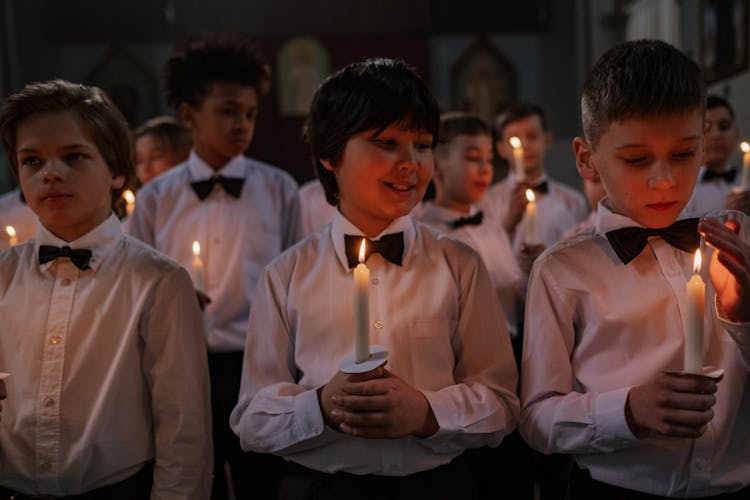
53 171
660 176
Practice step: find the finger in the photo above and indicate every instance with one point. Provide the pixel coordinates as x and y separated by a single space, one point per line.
365 432
690 401
360 419
690 383
361 403
375 373
688 418
735 267
680 431
367 388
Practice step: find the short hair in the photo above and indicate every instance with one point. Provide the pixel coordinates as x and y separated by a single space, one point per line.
715 101
167 129
518 111
200 62
95 111
639 79
368 95
455 123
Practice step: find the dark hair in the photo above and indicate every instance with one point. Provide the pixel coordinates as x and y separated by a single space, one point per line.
518 111
169 130
639 79
200 62
714 101
457 123
90 105
368 95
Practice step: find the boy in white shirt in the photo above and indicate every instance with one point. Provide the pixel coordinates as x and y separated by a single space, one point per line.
243 213
108 390
604 341
394 431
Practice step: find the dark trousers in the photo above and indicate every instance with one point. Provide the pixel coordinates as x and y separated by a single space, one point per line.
453 481
583 487
136 487
254 475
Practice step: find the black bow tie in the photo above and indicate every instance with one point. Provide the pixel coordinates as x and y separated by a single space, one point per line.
232 185
542 188
473 220
390 246
629 242
729 176
80 256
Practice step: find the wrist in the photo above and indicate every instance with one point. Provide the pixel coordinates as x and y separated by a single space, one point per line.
325 412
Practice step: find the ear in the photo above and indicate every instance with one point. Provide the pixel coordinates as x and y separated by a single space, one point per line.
327 165
582 151
118 181
548 137
185 111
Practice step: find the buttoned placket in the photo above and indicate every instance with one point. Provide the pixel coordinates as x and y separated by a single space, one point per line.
47 445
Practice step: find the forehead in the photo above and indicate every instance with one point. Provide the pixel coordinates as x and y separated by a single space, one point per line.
718 113
149 141
655 131
63 128
527 123
467 141
232 91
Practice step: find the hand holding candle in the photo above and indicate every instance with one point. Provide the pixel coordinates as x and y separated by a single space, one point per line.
197 268
12 236
530 219
361 309
518 167
129 201
745 180
696 300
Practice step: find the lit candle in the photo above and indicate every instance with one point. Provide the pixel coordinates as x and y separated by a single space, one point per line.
515 142
198 278
129 201
696 300
361 308
530 219
745 182
12 237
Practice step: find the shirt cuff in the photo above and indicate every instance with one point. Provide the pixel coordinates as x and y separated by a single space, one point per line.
734 329
612 430
310 422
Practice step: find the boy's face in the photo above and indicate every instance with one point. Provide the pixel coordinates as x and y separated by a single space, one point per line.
648 166
534 139
382 177
464 170
63 175
223 123
153 157
722 137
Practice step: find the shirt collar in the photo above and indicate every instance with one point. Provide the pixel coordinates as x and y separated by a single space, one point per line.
443 214
100 240
607 220
200 170
341 226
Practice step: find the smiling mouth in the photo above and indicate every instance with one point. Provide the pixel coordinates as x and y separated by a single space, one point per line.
401 188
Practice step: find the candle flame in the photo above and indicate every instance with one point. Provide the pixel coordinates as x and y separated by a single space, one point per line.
11 231
745 147
129 196
697 262
362 252
196 248
530 196
515 142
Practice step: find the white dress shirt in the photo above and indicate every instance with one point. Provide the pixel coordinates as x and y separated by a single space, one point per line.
594 329
108 370
491 242
237 236
556 211
710 195
14 212
316 211
439 319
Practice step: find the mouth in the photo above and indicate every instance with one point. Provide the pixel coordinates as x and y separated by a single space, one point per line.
400 187
663 205
55 196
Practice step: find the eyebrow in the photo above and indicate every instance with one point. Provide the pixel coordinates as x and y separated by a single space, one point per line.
636 145
67 147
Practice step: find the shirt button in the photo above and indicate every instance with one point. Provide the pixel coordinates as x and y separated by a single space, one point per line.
49 402
375 281
65 282
378 324
54 340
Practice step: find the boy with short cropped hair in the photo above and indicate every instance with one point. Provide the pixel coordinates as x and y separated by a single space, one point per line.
395 431
242 212
160 143
108 389
604 342
717 177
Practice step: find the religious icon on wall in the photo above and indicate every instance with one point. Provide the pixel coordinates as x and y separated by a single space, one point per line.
302 65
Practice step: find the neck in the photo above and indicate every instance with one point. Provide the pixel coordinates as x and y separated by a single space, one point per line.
455 205
717 167
214 160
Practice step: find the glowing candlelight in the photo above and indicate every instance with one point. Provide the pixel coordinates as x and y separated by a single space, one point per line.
129 201
361 308
530 218
745 182
515 142
12 237
696 300
198 277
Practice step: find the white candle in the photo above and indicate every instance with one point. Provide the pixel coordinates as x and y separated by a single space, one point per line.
745 182
198 277
129 201
515 142
696 300
361 308
12 237
530 218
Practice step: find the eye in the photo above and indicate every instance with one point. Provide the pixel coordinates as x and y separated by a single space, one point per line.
384 143
634 160
684 155
31 161
74 156
252 115
423 146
